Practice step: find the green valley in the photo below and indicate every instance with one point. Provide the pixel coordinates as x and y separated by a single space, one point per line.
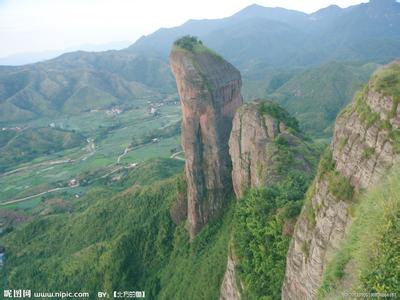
252 157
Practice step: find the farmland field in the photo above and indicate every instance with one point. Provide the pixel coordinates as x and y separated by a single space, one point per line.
113 142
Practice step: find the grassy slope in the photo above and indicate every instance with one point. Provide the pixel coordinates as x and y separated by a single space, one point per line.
368 260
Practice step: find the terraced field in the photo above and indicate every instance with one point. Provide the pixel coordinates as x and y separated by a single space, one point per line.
114 142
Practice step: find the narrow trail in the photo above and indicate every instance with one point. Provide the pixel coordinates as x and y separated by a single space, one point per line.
91 147
175 156
127 149
37 195
16 136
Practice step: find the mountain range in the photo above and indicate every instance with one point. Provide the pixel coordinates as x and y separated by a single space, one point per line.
266 44
252 215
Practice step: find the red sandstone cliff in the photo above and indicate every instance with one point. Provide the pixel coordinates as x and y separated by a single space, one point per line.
209 90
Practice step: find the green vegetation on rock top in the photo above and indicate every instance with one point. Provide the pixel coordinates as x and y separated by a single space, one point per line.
387 81
190 43
193 45
277 112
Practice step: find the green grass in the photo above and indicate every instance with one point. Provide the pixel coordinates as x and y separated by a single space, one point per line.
30 143
395 136
366 115
120 132
387 81
372 245
326 163
340 186
368 152
308 207
277 112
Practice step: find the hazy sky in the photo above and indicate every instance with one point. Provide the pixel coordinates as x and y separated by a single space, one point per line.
38 25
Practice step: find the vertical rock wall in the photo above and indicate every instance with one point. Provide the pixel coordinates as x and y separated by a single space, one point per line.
209 90
363 150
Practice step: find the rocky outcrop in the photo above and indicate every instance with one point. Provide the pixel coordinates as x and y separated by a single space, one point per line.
265 145
209 90
229 288
253 145
363 150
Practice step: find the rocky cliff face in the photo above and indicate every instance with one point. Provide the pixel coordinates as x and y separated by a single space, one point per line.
265 145
229 288
253 145
364 147
209 89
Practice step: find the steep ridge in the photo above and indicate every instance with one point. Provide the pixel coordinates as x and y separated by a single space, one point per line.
271 160
131 235
209 89
258 128
364 147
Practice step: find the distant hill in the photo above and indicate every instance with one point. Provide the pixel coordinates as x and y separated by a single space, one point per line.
268 45
36 56
80 81
280 37
317 95
20 146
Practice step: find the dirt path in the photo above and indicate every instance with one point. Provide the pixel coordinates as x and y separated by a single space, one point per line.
37 195
91 147
127 149
175 156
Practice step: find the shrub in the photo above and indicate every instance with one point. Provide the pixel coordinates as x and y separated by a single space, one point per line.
395 136
305 248
368 152
277 112
326 163
188 42
340 186
371 246
281 142
366 115
259 242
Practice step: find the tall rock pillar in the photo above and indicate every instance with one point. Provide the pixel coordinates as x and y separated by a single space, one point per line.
209 90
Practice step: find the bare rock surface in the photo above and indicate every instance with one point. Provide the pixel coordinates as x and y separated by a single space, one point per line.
209 90
253 149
